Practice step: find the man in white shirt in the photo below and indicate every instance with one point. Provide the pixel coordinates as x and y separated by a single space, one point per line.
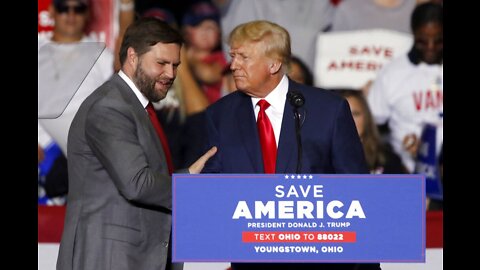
61 62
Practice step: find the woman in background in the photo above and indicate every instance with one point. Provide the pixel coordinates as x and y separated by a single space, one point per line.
379 155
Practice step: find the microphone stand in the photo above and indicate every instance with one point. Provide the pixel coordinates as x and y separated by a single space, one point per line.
297 100
299 139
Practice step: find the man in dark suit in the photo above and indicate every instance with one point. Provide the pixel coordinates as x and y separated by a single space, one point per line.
260 52
119 200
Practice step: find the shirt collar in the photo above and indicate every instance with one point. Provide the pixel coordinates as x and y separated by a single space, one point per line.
134 88
277 97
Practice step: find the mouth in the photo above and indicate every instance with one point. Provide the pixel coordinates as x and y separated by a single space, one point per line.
164 83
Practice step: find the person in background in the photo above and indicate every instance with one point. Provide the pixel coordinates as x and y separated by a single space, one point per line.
408 92
260 52
380 157
126 15
369 14
71 18
181 111
201 27
120 199
304 20
299 72
228 84
52 171
70 21
392 15
437 204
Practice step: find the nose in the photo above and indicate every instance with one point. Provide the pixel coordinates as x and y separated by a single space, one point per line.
431 44
234 64
170 71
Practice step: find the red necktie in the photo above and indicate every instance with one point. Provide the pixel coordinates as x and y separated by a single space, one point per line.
161 135
267 138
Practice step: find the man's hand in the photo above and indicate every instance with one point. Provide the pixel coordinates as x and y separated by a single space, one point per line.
198 165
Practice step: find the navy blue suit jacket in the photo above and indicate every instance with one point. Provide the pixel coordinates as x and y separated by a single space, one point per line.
330 141
330 145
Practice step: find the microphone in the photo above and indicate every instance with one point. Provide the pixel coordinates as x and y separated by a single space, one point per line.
297 100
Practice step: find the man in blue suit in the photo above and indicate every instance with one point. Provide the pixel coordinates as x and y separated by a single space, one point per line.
260 52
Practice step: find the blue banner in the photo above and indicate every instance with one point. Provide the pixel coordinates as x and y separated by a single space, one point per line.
298 218
427 162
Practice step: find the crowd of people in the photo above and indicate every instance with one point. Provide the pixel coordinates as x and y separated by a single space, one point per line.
205 66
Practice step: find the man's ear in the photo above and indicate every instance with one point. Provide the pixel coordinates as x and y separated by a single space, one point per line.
132 57
131 61
274 66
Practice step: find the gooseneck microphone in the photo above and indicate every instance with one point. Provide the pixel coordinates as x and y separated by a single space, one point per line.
297 100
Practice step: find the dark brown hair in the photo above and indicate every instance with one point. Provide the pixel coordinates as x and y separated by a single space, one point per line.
146 32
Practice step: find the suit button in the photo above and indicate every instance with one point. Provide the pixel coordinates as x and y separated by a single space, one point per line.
165 244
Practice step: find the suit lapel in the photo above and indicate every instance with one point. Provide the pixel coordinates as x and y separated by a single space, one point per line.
246 126
142 117
287 142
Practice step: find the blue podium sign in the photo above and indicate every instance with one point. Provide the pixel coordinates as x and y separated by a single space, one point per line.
298 218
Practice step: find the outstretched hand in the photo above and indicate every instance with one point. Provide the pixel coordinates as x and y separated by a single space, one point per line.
198 165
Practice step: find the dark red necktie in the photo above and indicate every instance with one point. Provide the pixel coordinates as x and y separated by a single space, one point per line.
163 139
267 138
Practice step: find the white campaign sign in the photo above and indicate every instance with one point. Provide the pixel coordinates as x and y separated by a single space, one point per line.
349 59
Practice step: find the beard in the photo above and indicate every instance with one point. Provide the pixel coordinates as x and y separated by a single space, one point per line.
146 85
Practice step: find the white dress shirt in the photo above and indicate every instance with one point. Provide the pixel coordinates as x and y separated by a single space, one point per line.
276 98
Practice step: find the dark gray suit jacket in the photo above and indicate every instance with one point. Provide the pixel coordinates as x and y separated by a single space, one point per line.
119 201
